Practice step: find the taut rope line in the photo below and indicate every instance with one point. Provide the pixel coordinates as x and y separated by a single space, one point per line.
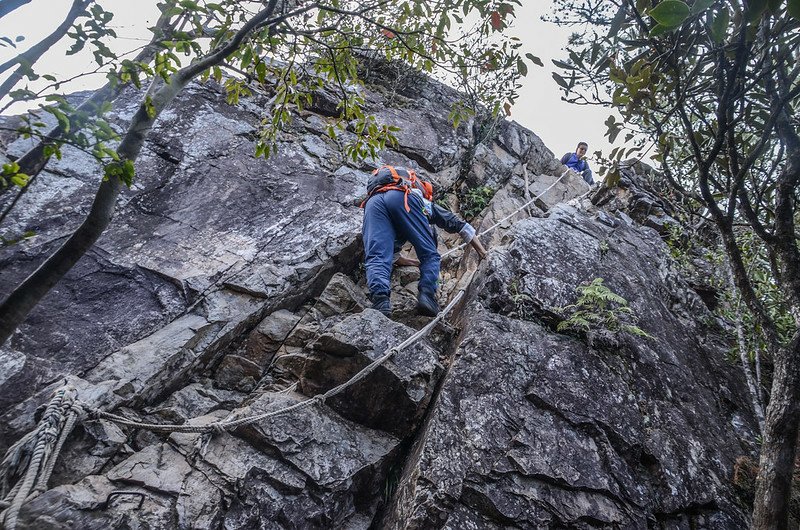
37 452
509 216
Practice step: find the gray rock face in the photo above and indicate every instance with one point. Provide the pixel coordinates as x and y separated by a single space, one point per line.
562 434
229 287
394 397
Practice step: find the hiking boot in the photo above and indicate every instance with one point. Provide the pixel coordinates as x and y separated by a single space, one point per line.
427 304
381 302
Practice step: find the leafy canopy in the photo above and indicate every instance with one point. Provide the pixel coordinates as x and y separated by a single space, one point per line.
304 48
712 87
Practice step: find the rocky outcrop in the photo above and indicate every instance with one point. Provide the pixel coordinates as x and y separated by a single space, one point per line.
229 287
564 434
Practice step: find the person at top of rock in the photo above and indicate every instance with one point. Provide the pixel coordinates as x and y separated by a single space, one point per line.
577 162
399 208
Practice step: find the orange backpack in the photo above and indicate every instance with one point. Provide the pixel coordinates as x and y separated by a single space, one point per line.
387 178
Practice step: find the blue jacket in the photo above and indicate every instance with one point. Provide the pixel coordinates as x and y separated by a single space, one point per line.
572 161
438 216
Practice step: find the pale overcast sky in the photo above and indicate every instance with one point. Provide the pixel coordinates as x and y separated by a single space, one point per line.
539 108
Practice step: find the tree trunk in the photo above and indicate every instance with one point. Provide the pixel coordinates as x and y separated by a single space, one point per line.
23 299
774 483
776 466
755 396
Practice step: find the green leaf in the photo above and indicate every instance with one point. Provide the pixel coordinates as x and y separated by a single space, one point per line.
755 8
172 11
563 65
719 25
149 107
522 67
20 179
701 5
560 80
612 178
10 169
620 99
62 119
670 13
121 169
619 19
535 60
793 7
660 29
261 71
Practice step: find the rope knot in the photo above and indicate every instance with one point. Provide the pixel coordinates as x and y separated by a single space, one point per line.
217 427
49 433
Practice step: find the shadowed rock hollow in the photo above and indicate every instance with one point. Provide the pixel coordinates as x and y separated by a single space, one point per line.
229 286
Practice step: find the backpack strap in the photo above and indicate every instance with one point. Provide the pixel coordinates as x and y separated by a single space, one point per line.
395 175
397 184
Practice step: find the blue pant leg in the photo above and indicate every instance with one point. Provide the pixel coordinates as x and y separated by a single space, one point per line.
378 235
587 176
413 226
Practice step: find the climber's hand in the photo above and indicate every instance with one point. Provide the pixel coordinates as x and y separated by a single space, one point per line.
476 244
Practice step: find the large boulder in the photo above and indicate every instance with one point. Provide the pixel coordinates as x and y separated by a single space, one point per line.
540 429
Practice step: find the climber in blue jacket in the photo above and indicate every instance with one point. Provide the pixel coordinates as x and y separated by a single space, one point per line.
399 208
577 162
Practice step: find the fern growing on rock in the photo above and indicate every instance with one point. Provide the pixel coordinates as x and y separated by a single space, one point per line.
599 308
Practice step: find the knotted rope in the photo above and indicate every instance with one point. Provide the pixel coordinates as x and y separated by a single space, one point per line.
31 460
36 453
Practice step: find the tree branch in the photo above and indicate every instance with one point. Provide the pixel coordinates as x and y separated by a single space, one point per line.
16 307
28 58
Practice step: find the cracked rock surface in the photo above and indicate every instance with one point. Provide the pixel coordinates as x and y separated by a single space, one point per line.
534 429
229 287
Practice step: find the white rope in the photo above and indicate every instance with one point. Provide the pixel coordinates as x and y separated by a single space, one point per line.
509 216
69 424
62 412
41 449
227 425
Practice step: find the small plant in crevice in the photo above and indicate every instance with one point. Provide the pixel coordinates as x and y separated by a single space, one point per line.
391 482
359 272
598 308
523 303
679 244
603 247
442 201
474 200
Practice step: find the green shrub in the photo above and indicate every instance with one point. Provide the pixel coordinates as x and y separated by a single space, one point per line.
475 200
599 308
